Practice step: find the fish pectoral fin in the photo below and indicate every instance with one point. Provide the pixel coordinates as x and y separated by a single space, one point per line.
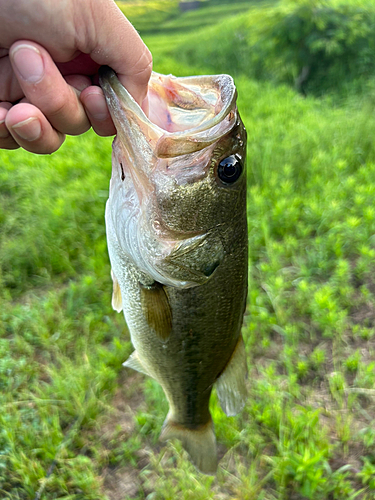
157 310
188 245
200 443
116 294
135 363
195 259
230 386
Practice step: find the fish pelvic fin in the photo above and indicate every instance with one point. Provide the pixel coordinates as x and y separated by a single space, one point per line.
157 310
230 386
135 363
199 442
116 294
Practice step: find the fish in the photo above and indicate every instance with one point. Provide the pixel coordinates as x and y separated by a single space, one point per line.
178 246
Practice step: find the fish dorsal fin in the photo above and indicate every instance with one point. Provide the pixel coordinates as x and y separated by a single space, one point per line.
157 310
230 386
116 294
135 363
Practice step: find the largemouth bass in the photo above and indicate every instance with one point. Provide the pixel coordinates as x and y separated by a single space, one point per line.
177 241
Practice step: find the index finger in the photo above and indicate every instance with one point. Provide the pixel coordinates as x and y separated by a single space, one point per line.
118 45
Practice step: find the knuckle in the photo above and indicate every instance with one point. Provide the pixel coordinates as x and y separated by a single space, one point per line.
143 68
55 105
66 113
80 128
148 58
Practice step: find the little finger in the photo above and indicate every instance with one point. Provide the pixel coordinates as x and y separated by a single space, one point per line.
31 130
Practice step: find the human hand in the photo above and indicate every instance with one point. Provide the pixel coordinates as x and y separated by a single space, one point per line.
50 53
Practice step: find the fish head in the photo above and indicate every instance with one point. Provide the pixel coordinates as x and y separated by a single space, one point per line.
178 186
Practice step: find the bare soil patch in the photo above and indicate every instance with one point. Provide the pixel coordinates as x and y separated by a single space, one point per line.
123 482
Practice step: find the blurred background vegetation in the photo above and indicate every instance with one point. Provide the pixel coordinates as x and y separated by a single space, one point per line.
74 424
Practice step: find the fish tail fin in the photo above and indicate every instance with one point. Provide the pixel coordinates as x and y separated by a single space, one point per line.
200 443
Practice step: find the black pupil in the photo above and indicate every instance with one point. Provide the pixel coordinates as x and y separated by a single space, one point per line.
229 169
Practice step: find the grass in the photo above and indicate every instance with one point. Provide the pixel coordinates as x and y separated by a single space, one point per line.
76 425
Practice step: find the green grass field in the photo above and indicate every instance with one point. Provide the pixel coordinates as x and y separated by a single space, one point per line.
76 425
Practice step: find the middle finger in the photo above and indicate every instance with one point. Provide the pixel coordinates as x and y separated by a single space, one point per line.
45 88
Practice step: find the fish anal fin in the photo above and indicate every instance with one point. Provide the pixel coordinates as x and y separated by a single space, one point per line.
116 294
157 310
135 363
230 386
200 443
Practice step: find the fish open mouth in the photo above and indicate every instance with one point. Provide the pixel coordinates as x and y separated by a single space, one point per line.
185 114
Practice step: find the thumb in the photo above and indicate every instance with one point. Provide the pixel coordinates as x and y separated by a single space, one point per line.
118 45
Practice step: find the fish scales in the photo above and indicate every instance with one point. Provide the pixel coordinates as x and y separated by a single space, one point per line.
177 241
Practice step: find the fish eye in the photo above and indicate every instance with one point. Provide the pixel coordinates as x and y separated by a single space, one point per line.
229 169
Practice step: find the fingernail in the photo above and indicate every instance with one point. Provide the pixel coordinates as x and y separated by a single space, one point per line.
97 106
28 62
29 130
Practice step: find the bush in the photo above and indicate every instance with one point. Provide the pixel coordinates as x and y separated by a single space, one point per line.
315 45
319 44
